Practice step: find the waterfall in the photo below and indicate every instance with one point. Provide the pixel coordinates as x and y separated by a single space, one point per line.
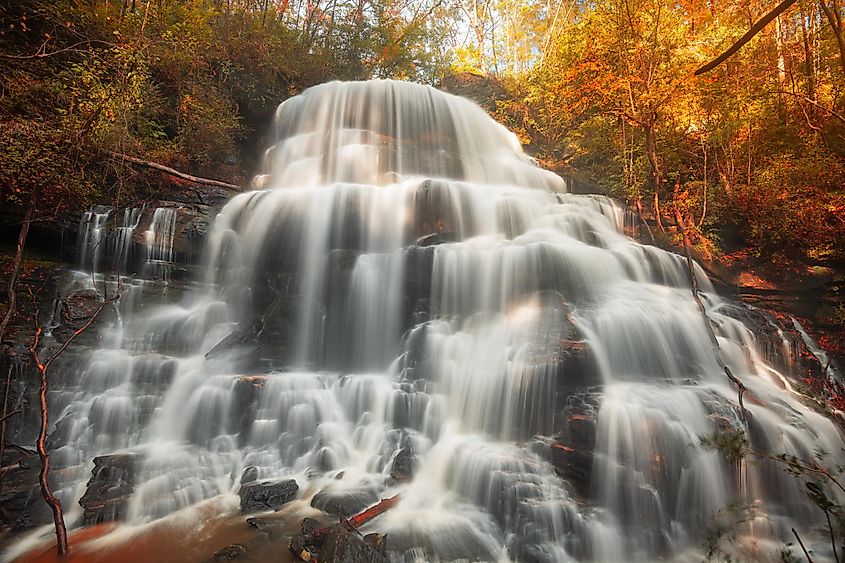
90 238
403 277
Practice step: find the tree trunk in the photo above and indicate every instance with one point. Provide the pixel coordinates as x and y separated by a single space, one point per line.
41 446
781 72
656 170
809 67
834 17
740 387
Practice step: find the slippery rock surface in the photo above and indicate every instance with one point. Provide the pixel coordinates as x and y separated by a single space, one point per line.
112 483
345 546
345 503
21 505
267 495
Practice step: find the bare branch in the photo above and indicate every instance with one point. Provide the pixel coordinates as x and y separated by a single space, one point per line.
174 172
755 29
41 52
741 389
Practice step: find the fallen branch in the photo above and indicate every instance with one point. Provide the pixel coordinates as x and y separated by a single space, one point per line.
755 29
303 546
173 172
804 549
741 389
42 52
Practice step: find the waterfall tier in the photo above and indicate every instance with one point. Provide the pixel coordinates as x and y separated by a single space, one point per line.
404 283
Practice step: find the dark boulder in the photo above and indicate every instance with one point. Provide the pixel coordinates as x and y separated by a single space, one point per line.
347 502
571 450
268 495
250 475
345 546
247 390
437 210
402 467
212 196
232 552
110 487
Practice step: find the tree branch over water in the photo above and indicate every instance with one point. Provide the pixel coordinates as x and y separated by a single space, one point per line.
176 173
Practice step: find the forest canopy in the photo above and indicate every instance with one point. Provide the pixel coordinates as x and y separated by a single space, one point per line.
753 150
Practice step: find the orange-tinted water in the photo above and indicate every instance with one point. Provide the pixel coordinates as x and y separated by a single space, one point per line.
183 539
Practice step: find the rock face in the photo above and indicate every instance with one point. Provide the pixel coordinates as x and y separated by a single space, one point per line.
268 495
111 484
571 451
21 504
403 465
343 546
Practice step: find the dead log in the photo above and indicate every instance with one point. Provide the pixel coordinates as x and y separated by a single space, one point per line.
175 173
304 546
755 29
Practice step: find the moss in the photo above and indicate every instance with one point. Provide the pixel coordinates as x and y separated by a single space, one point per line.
731 443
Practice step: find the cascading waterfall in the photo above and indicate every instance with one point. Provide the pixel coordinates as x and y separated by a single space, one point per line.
404 278
91 231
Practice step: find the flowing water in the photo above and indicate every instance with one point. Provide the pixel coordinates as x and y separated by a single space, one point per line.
403 279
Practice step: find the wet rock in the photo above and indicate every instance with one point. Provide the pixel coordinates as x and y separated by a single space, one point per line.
250 475
247 390
110 487
201 195
262 525
309 526
375 540
276 312
578 367
419 262
230 553
345 503
153 372
571 450
192 223
76 308
437 211
345 546
268 495
80 306
402 468
239 349
437 238
21 504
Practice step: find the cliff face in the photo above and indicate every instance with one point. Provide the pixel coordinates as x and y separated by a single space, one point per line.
809 297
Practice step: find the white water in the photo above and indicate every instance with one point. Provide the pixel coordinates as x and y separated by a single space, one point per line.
374 341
